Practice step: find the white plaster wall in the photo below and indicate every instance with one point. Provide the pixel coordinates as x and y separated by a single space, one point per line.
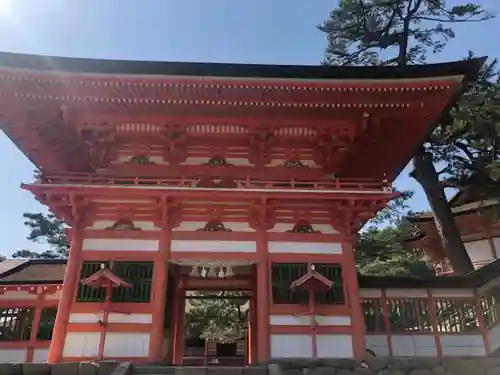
285 227
214 246
370 293
452 293
12 355
130 318
119 244
125 158
40 355
291 346
112 318
191 226
494 338
496 244
303 320
83 318
304 247
81 344
281 162
379 344
462 345
479 251
406 293
413 345
126 344
334 346
18 295
203 160
141 224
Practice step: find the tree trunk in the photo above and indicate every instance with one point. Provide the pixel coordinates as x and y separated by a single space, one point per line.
425 173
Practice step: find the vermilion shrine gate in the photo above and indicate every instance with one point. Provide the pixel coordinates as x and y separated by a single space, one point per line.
191 176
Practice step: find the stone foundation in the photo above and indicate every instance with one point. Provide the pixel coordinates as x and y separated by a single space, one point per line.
84 368
389 366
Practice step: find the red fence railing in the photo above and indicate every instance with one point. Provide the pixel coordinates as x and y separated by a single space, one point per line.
228 183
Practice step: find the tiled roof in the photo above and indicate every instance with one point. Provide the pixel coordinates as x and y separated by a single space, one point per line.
33 271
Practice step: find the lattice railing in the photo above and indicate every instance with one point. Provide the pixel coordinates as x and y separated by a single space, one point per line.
227 183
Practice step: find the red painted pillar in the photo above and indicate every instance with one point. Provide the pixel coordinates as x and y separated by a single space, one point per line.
158 298
351 288
262 297
178 334
69 288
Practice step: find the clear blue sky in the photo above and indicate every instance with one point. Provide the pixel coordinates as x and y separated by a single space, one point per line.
251 31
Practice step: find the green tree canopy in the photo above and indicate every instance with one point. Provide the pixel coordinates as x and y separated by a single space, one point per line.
401 32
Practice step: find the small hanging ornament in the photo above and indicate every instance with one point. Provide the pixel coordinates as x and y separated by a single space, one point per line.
195 271
221 273
203 272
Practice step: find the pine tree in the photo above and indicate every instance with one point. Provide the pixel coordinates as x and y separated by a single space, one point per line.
402 32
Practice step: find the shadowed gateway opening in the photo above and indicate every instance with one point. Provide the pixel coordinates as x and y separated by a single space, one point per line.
216 328
209 313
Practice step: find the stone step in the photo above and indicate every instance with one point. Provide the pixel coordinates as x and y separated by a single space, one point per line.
197 370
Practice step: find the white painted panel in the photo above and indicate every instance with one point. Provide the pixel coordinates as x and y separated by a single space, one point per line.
144 225
83 318
324 320
413 345
462 345
18 295
285 227
40 355
494 338
126 344
334 346
281 162
289 320
406 293
379 344
81 344
304 247
126 158
496 244
12 355
215 246
191 226
479 251
119 244
303 320
291 346
452 293
130 318
370 293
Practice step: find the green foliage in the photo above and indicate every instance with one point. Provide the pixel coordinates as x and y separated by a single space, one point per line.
402 32
215 318
381 252
45 229
392 32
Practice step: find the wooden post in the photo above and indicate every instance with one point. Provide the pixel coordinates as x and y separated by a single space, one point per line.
262 297
159 297
350 277
69 288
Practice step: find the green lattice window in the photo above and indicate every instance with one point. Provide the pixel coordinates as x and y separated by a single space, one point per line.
46 326
336 294
16 324
284 274
88 294
138 274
